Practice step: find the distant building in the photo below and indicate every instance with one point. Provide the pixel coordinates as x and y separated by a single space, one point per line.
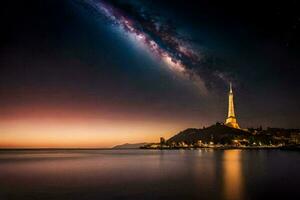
162 141
231 119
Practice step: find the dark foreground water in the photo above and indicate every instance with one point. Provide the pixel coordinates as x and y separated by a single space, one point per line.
146 174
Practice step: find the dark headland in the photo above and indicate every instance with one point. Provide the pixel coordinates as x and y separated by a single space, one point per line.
223 137
130 146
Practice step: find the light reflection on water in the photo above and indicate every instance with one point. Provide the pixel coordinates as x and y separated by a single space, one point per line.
145 174
233 178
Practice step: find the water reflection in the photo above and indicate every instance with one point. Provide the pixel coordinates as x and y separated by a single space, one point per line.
233 177
144 174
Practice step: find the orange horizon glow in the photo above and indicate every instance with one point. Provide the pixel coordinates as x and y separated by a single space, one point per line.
81 133
93 133
82 126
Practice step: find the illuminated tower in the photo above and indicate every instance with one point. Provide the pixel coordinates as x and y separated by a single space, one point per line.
231 120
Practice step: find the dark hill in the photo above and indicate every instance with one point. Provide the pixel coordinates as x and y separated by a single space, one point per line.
130 146
217 133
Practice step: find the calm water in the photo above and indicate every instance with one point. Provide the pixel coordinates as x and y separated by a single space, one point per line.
145 174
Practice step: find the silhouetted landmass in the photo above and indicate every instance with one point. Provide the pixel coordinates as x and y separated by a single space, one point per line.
222 136
130 146
216 133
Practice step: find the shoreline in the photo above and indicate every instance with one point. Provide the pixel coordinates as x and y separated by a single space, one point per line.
294 148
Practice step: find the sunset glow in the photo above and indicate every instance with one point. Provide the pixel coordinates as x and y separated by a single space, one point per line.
70 129
94 133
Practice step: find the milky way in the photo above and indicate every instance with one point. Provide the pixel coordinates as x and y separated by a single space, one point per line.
161 37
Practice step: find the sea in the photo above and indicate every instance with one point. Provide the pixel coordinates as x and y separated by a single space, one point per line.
149 174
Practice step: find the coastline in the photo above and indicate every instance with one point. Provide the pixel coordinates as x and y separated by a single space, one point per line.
294 148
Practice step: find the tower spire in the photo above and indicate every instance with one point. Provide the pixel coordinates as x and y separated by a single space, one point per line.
231 119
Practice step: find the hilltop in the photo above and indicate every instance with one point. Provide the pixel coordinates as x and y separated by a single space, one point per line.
217 133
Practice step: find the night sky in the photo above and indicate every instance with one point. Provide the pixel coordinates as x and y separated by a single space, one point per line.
95 73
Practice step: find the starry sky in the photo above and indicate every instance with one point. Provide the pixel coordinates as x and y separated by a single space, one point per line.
97 73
